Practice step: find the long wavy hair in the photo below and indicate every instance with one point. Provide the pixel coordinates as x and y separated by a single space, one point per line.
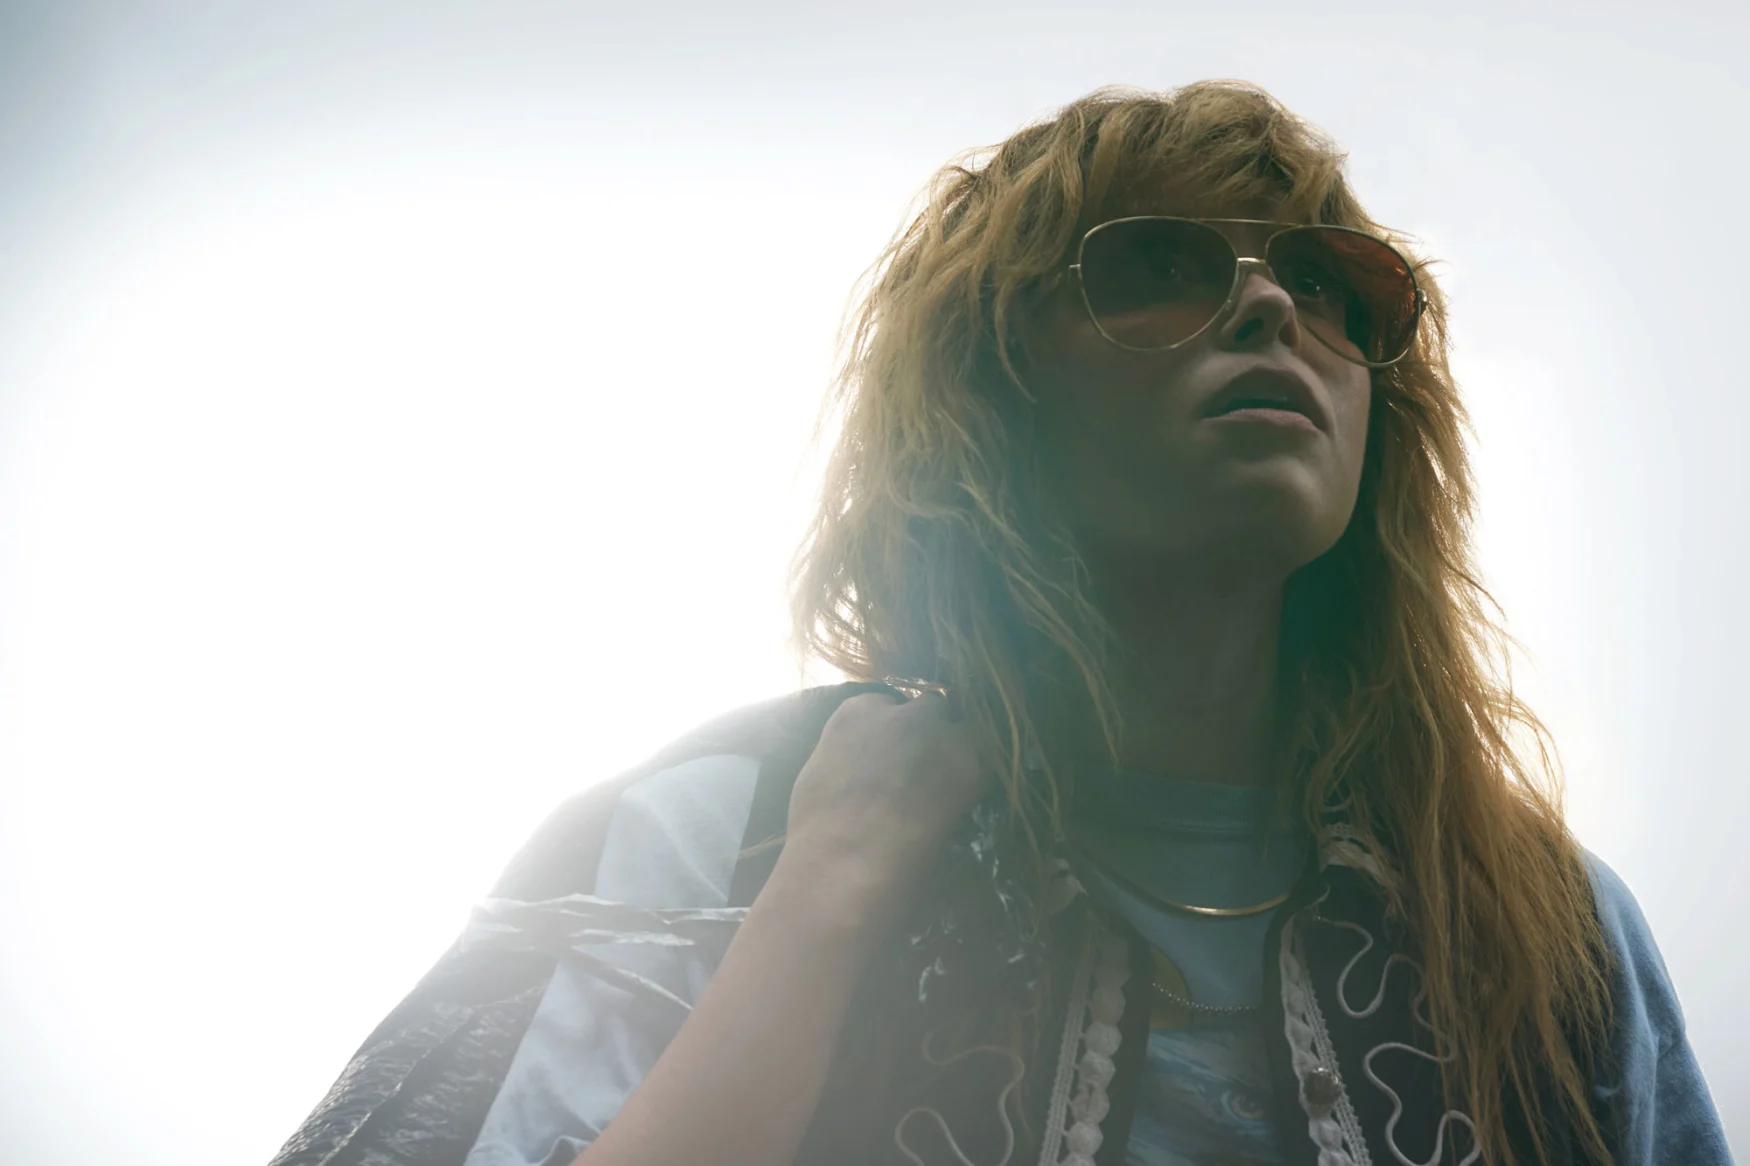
933 562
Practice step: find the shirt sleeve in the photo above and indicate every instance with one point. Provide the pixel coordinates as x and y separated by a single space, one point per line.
1653 1087
672 843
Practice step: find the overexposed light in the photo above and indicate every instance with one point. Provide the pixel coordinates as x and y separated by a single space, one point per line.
354 523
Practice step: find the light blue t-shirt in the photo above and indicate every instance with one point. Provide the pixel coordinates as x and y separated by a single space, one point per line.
1205 1093
673 843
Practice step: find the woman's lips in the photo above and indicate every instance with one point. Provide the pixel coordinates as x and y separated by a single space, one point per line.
1268 388
1260 415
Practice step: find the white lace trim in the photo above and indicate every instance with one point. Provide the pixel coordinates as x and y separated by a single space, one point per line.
1334 1128
1331 1118
1101 1006
1066 1055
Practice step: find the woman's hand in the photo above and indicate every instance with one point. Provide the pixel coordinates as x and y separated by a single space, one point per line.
871 810
868 817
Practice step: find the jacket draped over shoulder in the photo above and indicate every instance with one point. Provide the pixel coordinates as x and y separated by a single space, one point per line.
529 1033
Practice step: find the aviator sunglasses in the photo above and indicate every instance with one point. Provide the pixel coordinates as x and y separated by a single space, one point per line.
1153 282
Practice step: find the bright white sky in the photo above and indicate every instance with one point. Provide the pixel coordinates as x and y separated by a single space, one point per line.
402 423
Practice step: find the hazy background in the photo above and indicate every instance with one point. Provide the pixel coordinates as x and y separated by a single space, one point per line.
365 488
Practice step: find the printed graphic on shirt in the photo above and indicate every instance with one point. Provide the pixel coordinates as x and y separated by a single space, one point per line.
1204 1095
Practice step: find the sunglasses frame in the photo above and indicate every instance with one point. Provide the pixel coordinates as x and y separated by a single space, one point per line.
1244 265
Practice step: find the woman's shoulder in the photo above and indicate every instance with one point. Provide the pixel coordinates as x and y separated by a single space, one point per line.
696 795
1639 967
1664 1111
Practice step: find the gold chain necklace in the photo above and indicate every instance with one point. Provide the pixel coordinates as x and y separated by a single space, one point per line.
1144 893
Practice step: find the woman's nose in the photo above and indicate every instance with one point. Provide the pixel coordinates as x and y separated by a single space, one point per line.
1262 313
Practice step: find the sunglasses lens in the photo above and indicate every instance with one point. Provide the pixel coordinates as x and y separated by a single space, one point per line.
1152 283
1352 289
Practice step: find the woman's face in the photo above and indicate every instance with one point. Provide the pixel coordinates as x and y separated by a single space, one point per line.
1145 455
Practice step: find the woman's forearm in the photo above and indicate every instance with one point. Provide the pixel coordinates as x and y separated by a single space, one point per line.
739 1082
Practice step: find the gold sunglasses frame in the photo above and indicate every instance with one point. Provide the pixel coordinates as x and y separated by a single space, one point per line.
1244 265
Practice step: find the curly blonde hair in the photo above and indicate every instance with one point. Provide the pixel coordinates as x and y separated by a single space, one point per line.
931 563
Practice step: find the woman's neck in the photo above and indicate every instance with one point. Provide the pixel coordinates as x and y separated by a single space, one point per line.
1196 680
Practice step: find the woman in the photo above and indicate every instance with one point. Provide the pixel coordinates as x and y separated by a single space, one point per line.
1151 496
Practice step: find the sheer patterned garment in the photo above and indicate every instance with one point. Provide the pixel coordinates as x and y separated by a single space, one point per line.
529 1034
